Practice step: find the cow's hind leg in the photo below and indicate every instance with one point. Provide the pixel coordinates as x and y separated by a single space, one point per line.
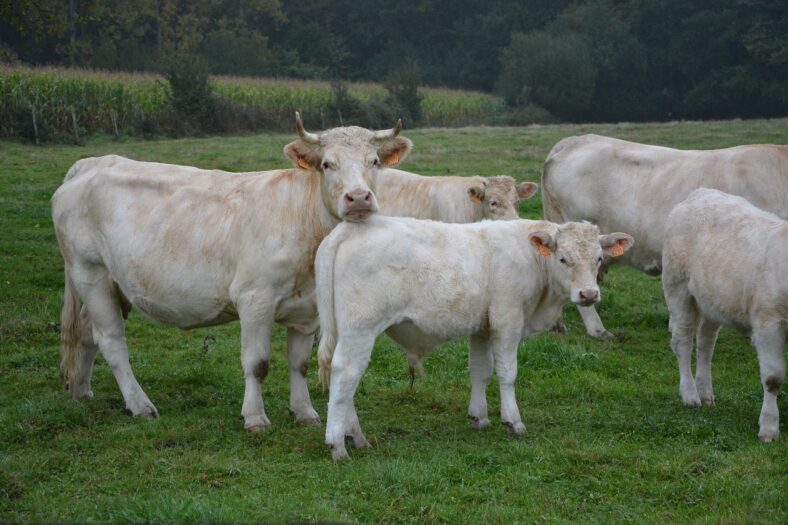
256 326
350 360
480 366
103 306
706 339
299 350
769 342
80 386
683 323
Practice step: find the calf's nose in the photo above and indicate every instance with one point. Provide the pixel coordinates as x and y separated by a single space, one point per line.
589 295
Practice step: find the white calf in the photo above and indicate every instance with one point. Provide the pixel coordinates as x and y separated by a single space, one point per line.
425 282
725 262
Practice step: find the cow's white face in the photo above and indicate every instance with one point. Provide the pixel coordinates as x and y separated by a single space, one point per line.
575 254
499 197
349 161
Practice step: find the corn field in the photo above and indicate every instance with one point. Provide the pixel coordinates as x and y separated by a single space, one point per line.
37 103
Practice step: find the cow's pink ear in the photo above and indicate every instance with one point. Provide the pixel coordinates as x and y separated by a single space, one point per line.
302 155
526 190
543 242
476 193
394 151
615 244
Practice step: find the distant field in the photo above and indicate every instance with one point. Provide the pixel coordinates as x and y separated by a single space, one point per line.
103 101
608 439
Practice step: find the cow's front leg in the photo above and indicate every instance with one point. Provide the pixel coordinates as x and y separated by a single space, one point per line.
480 366
593 323
255 359
770 341
505 352
299 350
348 364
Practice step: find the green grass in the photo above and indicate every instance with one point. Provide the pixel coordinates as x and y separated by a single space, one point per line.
608 439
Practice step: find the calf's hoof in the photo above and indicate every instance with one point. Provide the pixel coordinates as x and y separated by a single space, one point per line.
146 410
254 424
360 441
479 422
515 428
768 435
338 453
602 334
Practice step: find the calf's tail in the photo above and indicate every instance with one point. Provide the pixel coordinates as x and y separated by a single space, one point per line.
70 332
324 278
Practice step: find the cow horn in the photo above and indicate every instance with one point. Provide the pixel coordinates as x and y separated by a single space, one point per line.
389 133
304 134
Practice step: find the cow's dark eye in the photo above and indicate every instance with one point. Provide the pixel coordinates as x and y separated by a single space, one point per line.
563 261
376 162
493 203
599 260
326 165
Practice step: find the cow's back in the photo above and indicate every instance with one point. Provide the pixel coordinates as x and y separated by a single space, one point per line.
179 240
439 198
625 186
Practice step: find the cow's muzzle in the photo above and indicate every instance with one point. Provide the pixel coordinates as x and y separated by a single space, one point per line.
587 296
358 205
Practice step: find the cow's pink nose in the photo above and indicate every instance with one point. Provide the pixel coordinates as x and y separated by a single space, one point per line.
358 199
589 294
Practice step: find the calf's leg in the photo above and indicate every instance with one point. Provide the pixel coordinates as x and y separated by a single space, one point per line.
683 316
505 353
769 342
706 338
81 388
350 360
480 365
299 350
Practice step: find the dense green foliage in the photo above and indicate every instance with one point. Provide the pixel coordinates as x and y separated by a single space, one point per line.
608 439
146 104
639 59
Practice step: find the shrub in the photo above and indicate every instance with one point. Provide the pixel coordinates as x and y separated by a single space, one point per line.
191 93
404 96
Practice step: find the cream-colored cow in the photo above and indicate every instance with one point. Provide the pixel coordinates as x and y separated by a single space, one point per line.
190 247
425 282
624 186
725 262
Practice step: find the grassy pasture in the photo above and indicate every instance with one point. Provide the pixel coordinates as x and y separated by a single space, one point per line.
608 439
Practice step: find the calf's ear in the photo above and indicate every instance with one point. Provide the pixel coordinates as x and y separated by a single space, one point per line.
394 151
302 155
543 242
615 244
526 190
476 193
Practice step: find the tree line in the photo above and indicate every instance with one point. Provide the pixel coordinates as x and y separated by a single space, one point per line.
592 60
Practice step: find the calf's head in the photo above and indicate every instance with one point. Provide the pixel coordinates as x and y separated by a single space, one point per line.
349 159
499 196
574 254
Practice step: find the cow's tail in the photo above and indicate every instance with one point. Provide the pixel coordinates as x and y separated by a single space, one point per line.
324 277
70 332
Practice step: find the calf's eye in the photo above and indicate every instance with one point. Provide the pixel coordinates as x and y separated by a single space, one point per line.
562 260
493 203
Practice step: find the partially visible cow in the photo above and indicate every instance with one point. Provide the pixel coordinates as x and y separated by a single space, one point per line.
190 247
624 186
425 282
449 199
725 262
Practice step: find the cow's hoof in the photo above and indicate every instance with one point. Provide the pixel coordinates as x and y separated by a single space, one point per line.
479 422
360 441
708 401
83 395
338 453
767 436
602 334
254 424
306 417
515 428
147 411
559 327
691 399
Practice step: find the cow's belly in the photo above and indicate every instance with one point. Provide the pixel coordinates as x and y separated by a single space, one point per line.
299 311
411 337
